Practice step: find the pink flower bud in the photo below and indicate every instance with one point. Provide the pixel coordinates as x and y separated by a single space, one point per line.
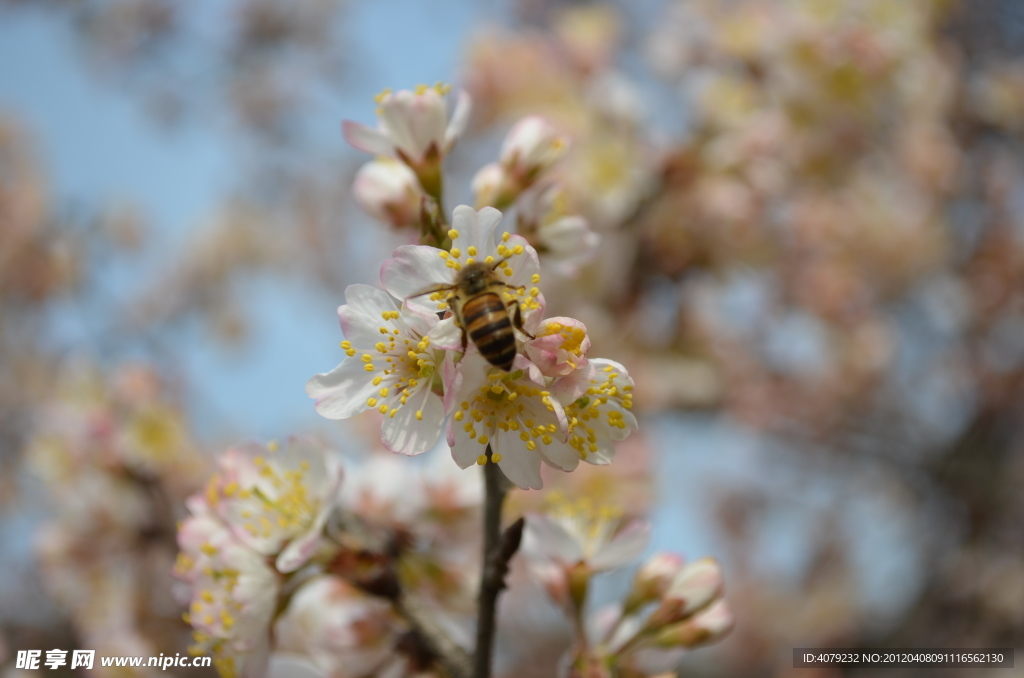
389 191
693 588
531 147
492 186
708 626
653 579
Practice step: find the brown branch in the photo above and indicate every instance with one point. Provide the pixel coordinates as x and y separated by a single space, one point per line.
497 551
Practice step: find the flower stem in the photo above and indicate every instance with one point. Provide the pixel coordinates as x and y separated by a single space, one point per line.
497 551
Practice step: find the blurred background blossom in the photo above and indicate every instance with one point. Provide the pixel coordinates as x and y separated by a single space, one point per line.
803 226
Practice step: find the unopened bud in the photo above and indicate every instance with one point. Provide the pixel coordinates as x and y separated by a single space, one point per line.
532 146
693 587
492 186
653 580
708 626
389 191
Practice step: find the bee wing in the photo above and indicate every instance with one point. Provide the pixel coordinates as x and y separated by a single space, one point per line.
431 290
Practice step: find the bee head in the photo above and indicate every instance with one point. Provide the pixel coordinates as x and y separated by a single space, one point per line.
474 278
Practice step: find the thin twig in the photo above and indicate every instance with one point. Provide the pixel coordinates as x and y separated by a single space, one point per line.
497 552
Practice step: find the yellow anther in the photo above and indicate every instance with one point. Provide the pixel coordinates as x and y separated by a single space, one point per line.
495 457
368 367
453 234
471 251
371 402
377 380
419 415
481 460
383 409
505 236
456 252
273 446
535 278
459 414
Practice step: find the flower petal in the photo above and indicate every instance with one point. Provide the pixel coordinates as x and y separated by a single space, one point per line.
367 139
624 547
413 270
519 464
459 119
405 434
343 391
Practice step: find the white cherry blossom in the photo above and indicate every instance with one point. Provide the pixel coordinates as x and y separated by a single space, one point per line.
572 533
513 413
414 125
391 366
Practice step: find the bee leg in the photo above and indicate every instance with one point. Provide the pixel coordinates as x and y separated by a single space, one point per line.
517 319
458 321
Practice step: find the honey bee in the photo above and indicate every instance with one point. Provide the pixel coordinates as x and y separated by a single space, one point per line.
482 314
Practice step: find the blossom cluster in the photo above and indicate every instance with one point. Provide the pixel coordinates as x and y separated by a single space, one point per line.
671 606
409 355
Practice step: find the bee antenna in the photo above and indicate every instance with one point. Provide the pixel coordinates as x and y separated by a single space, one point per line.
499 263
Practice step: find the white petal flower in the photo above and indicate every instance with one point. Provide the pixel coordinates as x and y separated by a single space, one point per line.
418 268
233 596
342 630
414 125
276 501
389 191
599 398
572 533
510 411
391 367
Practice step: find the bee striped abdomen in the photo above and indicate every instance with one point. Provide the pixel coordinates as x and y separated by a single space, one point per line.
488 325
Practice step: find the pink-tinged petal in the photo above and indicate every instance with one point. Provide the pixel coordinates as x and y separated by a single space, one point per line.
532 372
550 538
367 139
397 116
428 119
624 547
519 464
696 585
404 433
343 391
459 119
413 270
